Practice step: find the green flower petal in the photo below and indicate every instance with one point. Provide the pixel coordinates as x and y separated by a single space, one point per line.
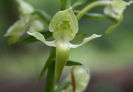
85 40
16 31
64 23
40 37
24 7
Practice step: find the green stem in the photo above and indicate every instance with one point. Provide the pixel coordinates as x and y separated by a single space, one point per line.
112 27
50 59
65 4
90 6
50 80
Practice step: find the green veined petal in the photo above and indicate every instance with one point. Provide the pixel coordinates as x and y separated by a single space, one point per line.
60 19
85 40
40 37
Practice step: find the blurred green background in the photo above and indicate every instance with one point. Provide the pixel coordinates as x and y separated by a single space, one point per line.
110 58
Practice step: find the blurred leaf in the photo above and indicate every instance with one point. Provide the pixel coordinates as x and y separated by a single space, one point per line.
62 86
48 62
31 39
50 80
72 63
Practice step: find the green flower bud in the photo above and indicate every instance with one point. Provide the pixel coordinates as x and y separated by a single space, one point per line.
82 79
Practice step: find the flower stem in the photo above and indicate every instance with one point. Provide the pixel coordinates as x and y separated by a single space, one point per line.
50 80
90 6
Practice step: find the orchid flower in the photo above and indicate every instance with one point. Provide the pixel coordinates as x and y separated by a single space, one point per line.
115 10
64 26
25 21
81 77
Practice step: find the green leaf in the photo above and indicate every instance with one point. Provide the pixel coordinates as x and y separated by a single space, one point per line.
62 86
48 62
72 63
31 39
50 80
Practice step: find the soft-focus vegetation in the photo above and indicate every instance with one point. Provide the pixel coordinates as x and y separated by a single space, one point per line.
109 54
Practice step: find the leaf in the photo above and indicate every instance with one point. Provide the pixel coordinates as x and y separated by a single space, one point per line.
50 80
31 39
72 63
62 85
48 62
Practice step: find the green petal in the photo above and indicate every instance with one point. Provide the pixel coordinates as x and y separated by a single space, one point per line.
16 30
85 40
64 23
116 8
62 55
40 37
120 5
24 7
36 25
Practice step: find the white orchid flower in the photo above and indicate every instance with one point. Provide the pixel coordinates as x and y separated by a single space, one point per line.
25 20
64 26
115 10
